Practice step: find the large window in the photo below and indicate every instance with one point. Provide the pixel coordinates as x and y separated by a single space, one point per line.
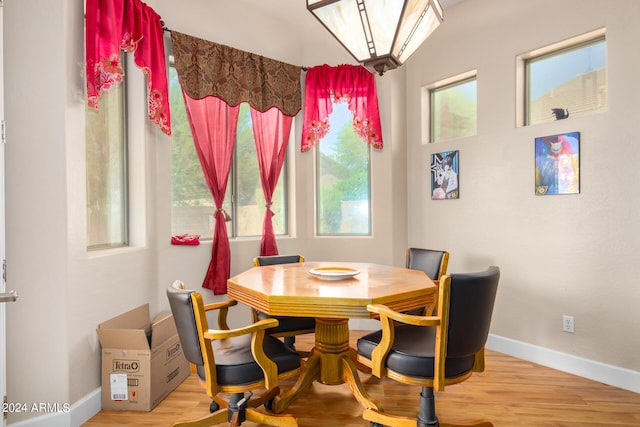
343 178
453 110
192 205
568 80
106 163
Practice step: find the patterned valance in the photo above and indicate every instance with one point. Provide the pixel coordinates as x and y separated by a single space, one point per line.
210 69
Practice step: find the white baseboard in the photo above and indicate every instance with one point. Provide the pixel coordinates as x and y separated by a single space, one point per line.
608 374
80 412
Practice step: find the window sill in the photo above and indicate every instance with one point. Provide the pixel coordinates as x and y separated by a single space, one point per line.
102 253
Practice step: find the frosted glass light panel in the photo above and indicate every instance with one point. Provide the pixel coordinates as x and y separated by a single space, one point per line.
381 34
454 110
420 19
567 83
339 18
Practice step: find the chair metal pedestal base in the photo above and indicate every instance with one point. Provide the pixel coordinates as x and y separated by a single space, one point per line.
427 415
240 409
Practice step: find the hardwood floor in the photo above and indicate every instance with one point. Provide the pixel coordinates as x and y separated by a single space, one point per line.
510 393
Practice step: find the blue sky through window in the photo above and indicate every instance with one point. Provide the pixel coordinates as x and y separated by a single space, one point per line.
551 72
338 118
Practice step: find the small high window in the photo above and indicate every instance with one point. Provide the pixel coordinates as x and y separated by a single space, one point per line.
566 80
453 109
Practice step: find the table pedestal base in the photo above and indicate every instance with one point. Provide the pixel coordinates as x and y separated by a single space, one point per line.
329 363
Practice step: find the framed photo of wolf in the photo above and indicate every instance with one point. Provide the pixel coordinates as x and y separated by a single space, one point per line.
445 174
558 164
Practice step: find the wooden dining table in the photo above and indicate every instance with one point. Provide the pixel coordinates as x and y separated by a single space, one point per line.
332 293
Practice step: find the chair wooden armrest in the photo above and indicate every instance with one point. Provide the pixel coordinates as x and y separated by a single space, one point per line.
268 366
239 349
457 334
428 310
389 316
220 334
223 306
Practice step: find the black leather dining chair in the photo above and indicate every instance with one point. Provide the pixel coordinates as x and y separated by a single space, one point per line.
231 363
433 262
432 351
288 326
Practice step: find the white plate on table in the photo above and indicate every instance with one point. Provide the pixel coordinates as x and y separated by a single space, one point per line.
333 273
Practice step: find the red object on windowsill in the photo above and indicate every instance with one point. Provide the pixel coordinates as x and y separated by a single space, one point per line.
186 239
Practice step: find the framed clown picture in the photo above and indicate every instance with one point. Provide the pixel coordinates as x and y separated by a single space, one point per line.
445 175
558 164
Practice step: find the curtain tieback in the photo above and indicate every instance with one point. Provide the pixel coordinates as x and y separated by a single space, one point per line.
226 215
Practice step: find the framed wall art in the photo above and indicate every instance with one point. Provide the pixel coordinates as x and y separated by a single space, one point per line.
445 175
558 164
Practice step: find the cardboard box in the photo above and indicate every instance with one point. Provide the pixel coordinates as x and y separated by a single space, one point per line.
142 360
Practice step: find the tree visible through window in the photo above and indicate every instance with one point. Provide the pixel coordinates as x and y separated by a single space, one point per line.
192 205
343 178
250 202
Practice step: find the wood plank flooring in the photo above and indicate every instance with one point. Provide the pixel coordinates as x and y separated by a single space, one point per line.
510 393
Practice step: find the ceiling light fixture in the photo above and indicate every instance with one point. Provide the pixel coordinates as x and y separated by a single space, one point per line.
380 34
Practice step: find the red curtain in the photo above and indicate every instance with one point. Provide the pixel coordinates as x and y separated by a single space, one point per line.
271 131
209 70
353 84
131 26
213 126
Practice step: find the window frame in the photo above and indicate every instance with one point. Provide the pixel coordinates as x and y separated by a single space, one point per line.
235 205
554 49
232 193
317 159
432 94
125 149
427 112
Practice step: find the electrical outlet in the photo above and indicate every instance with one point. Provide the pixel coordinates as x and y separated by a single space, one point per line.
567 323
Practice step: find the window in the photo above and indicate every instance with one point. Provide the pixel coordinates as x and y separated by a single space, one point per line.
192 205
249 206
566 80
343 178
453 110
106 162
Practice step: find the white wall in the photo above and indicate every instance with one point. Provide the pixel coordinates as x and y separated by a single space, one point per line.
36 212
575 255
53 352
